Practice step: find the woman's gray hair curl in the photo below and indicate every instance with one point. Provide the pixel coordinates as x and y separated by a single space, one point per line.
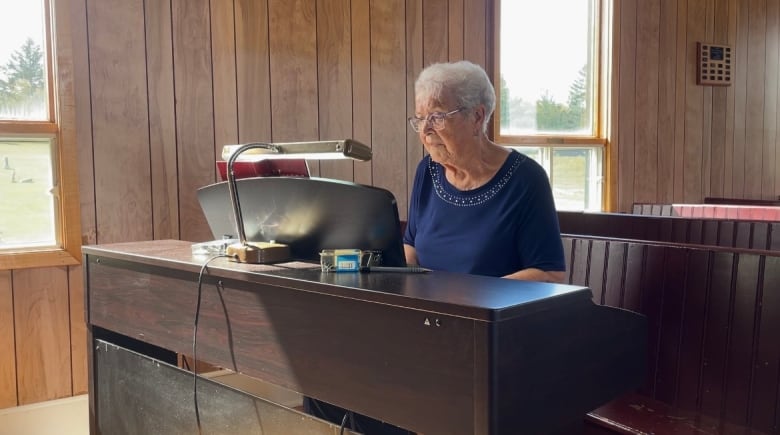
467 82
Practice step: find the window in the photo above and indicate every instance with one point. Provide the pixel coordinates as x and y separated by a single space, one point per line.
38 199
549 101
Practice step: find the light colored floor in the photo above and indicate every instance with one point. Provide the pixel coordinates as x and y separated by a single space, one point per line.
69 416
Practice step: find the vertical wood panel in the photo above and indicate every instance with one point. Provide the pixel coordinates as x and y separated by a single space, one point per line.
388 70
759 235
626 100
435 35
78 330
680 99
597 272
632 286
672 321
667 57
162 120
771 77
42 334
773 43
706 153
718 117
292 43
696 232
767 360
694 110
293 47
7 343
740 353
414 64
612 123
334 66
475 47
754 123
567 252
120 120
580 258
709 232
194 111
646 156
728 149
740 99
692 337
716 339
613 287
361 82
651 300
223 66
253 81
455 30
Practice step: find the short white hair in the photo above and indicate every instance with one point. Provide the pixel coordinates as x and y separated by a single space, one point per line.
466 81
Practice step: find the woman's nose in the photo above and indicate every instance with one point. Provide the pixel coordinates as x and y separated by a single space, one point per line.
427 126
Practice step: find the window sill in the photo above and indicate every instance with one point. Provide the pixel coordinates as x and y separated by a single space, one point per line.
42 258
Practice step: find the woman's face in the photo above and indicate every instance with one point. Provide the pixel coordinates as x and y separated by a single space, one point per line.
455 139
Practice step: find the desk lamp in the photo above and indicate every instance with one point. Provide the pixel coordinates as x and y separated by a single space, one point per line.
264 252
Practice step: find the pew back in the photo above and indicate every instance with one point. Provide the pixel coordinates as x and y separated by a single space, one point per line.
652 209
762 235
711 211
713 319
742 201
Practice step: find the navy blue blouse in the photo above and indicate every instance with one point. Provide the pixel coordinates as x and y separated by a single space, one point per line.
507 225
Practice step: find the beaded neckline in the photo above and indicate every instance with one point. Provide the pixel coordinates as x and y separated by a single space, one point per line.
472 197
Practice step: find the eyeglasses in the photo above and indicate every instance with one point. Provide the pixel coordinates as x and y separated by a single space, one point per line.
436 119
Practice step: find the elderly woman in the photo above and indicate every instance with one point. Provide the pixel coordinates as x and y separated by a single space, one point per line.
476 207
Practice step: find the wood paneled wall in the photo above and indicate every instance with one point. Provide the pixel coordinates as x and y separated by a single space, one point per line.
161 85
676 141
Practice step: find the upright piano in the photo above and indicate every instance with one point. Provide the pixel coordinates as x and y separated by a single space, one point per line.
436 353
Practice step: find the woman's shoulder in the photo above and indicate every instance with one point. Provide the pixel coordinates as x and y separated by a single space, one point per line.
525 165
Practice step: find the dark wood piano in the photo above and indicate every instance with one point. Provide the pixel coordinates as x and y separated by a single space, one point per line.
436 353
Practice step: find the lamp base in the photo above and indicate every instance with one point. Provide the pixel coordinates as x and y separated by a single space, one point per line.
258 252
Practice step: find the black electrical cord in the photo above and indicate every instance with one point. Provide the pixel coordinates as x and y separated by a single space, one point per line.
351 416
195 339
343 423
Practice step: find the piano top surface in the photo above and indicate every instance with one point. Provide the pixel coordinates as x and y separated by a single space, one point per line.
472 296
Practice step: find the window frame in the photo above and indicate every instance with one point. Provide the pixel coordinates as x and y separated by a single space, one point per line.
601 101
61 125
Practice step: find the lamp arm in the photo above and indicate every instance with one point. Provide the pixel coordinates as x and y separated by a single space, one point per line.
233 188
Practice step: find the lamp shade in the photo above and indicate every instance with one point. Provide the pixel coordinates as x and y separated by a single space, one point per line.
320 150
265 168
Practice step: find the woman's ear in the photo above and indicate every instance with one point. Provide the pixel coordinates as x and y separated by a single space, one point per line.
479 117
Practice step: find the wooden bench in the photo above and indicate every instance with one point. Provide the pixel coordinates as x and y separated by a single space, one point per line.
714 333
647 209
742 201
717 211
745 234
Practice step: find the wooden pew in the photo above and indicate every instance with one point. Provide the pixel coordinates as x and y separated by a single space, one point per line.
714 333
762 212
652 209
742 201
763 235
